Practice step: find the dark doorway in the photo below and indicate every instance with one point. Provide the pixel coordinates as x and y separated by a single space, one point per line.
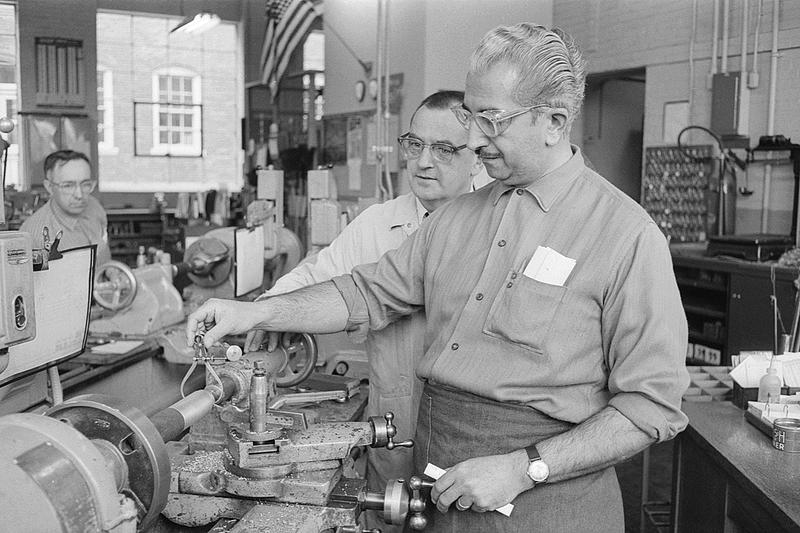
613 127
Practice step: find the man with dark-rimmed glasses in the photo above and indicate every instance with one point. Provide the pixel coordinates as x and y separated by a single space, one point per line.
71 210
439 168
555 336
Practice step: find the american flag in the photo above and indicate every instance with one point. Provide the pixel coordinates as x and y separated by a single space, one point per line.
288 22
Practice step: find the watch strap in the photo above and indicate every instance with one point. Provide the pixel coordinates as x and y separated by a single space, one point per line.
533 453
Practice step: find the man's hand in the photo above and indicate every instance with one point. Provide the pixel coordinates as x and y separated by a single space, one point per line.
255 339
219 318
483 483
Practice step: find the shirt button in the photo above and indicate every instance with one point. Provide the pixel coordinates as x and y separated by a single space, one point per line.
479 296
510 285
513 275
501 243
519 192
454 346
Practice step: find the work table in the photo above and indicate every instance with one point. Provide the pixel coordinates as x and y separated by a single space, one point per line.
728 477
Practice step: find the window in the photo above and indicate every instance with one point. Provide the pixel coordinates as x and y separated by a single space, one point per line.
176 113
9 58
105 111
171 105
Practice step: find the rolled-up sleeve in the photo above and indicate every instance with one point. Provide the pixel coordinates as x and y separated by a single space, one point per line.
377 294
646 335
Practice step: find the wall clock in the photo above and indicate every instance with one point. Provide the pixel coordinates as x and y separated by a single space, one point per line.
360 89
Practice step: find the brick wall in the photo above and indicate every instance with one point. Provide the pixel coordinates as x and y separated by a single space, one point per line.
133 47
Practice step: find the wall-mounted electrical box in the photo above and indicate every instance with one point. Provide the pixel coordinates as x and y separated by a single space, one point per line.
730 104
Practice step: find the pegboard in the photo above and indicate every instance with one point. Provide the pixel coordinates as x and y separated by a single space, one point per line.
675 190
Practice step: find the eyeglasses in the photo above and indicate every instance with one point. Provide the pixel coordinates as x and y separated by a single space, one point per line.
493 122
442 152
69 187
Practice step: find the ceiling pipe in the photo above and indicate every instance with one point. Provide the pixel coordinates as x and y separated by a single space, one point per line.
714 43
773 83
752 77
745 24
725 31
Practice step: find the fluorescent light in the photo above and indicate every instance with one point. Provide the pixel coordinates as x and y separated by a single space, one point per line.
197 24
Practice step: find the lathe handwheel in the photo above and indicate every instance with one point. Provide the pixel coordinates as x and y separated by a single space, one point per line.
301 358
114 286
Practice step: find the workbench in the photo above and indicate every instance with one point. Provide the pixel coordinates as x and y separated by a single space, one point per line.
727 477
142 377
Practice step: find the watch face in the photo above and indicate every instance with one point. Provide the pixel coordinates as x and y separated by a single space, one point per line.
538 471
360 88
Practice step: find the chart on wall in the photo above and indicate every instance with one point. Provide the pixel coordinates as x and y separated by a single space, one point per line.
47 133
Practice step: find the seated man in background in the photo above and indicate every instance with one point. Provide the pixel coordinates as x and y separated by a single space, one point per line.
439 169
71 209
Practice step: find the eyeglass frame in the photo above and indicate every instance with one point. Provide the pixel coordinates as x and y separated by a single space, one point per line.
493 116
407 136
71 186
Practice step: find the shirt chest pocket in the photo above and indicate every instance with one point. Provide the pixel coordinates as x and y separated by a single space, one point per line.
523 311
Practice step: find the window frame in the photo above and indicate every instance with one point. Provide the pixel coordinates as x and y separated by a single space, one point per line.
195 149
106 146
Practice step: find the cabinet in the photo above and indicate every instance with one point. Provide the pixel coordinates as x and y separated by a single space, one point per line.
727 477
128 229
728 303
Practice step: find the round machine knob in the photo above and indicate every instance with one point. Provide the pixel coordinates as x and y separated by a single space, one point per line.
300 352
385 432
115 286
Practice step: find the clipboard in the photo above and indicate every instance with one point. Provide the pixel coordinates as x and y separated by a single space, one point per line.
62 299
248 244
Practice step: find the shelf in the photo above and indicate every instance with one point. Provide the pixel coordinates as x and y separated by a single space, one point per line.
700 284
703 311
699 337
135 236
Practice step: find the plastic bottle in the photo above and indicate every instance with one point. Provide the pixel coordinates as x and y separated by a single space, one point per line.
141 259
769 387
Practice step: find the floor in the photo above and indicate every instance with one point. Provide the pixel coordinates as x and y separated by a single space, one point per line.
629 474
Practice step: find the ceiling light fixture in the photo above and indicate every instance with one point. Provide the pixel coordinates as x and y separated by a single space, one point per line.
197 24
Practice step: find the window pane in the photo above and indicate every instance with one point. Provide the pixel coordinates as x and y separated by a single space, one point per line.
163 137
162 119
176 137
187 121
188 138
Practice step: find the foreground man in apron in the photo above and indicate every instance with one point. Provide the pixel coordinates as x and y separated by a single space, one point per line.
555 337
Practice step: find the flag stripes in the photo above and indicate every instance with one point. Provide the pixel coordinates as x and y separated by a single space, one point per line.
288 24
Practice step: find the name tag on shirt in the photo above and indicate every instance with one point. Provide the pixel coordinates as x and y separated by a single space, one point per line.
549 266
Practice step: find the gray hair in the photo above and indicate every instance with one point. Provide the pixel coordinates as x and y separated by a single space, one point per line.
550 68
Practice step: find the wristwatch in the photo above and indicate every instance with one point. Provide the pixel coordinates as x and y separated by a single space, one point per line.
538 470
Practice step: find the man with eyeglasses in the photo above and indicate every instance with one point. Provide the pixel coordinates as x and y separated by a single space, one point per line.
555 337
439 168
71 210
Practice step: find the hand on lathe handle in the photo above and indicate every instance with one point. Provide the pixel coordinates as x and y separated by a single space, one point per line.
255 340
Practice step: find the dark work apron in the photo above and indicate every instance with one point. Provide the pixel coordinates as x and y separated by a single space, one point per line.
454 426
